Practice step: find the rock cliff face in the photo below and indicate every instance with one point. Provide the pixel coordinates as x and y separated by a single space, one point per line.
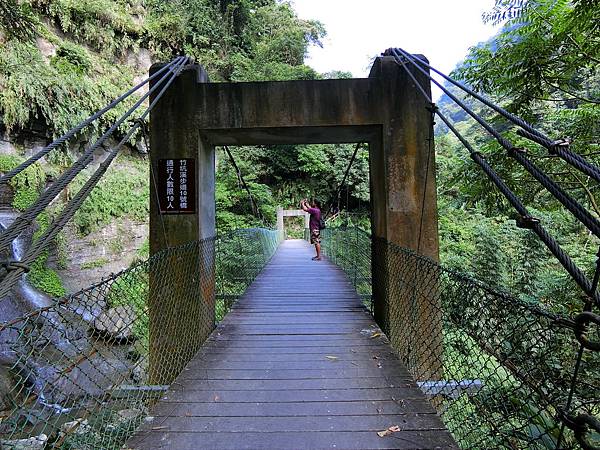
83 260
109 250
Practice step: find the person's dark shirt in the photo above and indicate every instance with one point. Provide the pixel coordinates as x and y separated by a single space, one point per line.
315 218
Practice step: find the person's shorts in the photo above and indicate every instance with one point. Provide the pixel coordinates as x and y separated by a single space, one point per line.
315 236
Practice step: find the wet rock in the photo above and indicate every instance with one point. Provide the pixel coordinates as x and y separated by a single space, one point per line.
141 60
33 145
126 418
93 376
6 147
46 48
6 387
129 414
139 374
116 323
78 427
32 443
116 243
140 146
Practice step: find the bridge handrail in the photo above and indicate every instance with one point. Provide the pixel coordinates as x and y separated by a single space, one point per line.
512 351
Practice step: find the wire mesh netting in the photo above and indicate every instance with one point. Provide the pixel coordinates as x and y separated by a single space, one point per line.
83 372
498 370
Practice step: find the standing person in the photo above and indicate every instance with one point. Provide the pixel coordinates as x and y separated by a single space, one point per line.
314 225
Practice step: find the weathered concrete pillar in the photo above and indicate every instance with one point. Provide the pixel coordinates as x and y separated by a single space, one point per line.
404 212
181 299
386 111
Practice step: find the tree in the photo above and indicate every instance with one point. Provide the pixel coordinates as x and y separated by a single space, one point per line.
547 50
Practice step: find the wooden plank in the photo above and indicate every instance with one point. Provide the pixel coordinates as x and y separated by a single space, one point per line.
240 348
292 346
296 357
315 383
300 366
283 374
291 368
362 440
289 409
407 394
284 424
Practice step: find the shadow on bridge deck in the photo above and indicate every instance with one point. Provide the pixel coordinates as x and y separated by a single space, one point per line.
298 363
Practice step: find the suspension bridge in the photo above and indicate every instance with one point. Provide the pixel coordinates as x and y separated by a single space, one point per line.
238 340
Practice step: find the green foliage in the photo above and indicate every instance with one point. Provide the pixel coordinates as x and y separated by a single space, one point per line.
131 289
546 48
41 276
144 251
26 185
539 66
96 263
478 234
284 175
72 58
45 279
237 40
123 192
17 20
60 94
107 25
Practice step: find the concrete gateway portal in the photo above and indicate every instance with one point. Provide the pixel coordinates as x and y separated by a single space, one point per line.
385 110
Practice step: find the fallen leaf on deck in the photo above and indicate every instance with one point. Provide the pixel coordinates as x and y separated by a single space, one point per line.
216 398
332 358
389 431
374 335
158 428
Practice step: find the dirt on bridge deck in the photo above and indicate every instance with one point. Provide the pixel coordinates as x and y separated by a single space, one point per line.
298 363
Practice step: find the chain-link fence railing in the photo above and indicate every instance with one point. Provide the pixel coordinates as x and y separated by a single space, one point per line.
350 248
241 256
83 372
498 370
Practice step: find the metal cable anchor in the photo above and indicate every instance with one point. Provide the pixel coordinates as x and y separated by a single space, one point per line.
11 264
583 425
563 143
582 320
526 221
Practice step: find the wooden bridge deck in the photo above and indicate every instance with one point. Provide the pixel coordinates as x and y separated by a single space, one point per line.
298 363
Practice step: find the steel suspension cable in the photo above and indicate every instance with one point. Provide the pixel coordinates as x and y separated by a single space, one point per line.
584 216
69 134
526 218
256 209
559 148
26 218
341 185
582 423
71 208
155 197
